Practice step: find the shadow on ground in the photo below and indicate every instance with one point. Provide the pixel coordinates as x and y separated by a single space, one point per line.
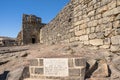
4 75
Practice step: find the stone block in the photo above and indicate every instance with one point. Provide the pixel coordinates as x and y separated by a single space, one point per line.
74 72
100 35
117 31
83 38
102 71
86 42
74 78
82 72
115 48
117 17
98 16
113 11
92 29
76 28
107 41
40 62
91 13
88 31
39 71
80 62
83 26
118 2
96 42
116 63
31 70
34 62
78 22
72 39
107 19
92 23
102 9
112 4
98 29
116 24
92 36
97 5
81 32
105 46
115 39
70 63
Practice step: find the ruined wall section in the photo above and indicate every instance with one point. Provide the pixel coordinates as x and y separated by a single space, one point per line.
30 29
97 23
31 26
58 29
90 22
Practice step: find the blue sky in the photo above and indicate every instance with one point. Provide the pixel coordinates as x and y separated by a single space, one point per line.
11 13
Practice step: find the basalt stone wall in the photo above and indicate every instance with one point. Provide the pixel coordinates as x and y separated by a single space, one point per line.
57 69
91 22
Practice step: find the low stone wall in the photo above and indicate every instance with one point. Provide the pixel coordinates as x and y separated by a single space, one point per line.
57 69
90 22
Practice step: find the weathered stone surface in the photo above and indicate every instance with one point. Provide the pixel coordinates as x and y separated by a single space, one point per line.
116 63
80 62
73 78
117 31
107 41
102 9
102 71
91 13
34 62
74 72
105 46
118 2
81 32
115 48
38 70
112 4
92 36
112 12
40 62
84 38
92 23
115 39
18 74
70 63
116 24
96 42
100 35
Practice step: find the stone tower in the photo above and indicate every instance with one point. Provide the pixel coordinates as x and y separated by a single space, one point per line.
30 33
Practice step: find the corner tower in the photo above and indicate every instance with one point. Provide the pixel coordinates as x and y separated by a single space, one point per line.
31 26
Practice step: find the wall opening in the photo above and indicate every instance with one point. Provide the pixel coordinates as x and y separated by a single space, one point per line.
33 40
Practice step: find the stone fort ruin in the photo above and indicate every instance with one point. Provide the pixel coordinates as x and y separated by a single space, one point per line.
31 26
90 22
